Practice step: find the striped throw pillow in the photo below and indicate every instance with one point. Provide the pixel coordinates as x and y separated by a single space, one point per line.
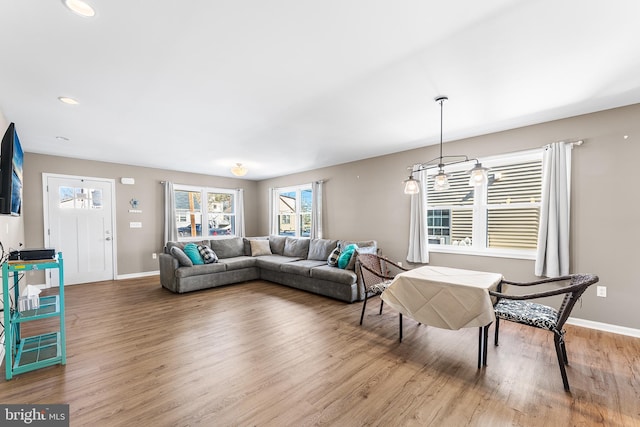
333 257
207 254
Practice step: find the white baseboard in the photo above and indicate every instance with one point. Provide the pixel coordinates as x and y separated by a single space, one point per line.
137 275
606 327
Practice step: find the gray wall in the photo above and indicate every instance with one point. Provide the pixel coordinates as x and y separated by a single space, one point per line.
134 246
365 200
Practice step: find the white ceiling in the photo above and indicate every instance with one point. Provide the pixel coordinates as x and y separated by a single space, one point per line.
284 86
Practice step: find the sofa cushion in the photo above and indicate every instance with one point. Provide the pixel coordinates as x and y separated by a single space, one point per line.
363 250
332 274
191 249
301 268
198 270
320 249
273 262
296 247
360 244
238 262
260 247
207 254
182 258
228 248
277 244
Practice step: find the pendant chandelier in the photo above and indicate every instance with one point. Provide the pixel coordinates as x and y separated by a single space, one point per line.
441 179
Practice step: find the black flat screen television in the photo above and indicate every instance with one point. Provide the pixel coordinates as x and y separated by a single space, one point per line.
11 158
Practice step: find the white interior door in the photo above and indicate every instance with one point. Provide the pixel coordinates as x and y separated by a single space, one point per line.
80 225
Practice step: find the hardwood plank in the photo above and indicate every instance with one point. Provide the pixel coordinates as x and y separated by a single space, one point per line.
263 354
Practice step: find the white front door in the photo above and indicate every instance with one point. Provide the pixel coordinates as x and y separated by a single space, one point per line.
79 223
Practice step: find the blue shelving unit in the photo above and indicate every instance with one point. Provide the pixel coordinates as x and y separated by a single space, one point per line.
24 354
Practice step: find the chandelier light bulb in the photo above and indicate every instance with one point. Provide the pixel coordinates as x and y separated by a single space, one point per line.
411 186
441 181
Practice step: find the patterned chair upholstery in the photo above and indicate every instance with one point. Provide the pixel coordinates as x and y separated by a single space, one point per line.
377 273
519 309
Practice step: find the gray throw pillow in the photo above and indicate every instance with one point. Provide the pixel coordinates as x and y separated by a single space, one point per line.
182 258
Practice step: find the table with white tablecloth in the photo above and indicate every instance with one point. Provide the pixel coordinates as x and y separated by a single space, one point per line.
445 297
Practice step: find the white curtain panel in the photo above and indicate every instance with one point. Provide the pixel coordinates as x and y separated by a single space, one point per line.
240 213
316 210
273 228
170 227
418 233
552 257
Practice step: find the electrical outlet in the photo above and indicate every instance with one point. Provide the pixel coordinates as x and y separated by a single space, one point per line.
400 263
154 255
601 291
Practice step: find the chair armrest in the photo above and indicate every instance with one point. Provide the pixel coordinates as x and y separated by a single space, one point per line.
537 282
559 291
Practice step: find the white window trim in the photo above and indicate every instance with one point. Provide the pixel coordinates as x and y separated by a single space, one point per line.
476 250
276 199
203 191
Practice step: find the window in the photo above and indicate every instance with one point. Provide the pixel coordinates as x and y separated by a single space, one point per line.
80 198
216 216
292 207
499 217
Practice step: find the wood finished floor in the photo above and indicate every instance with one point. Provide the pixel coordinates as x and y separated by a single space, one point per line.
267 355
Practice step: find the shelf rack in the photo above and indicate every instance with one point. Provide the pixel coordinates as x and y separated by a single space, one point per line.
24 354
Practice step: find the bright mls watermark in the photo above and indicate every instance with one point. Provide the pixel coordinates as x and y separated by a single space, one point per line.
34 415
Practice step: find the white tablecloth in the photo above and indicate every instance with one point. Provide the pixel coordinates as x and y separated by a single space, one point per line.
444 297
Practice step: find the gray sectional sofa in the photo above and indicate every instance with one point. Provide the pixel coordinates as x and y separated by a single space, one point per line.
296 262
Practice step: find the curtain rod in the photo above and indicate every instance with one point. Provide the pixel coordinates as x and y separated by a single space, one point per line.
578 143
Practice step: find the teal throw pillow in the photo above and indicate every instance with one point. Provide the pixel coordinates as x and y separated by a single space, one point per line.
191 249
346 255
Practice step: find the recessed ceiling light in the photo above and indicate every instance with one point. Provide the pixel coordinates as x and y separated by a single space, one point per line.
80 7
62 138
68 100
